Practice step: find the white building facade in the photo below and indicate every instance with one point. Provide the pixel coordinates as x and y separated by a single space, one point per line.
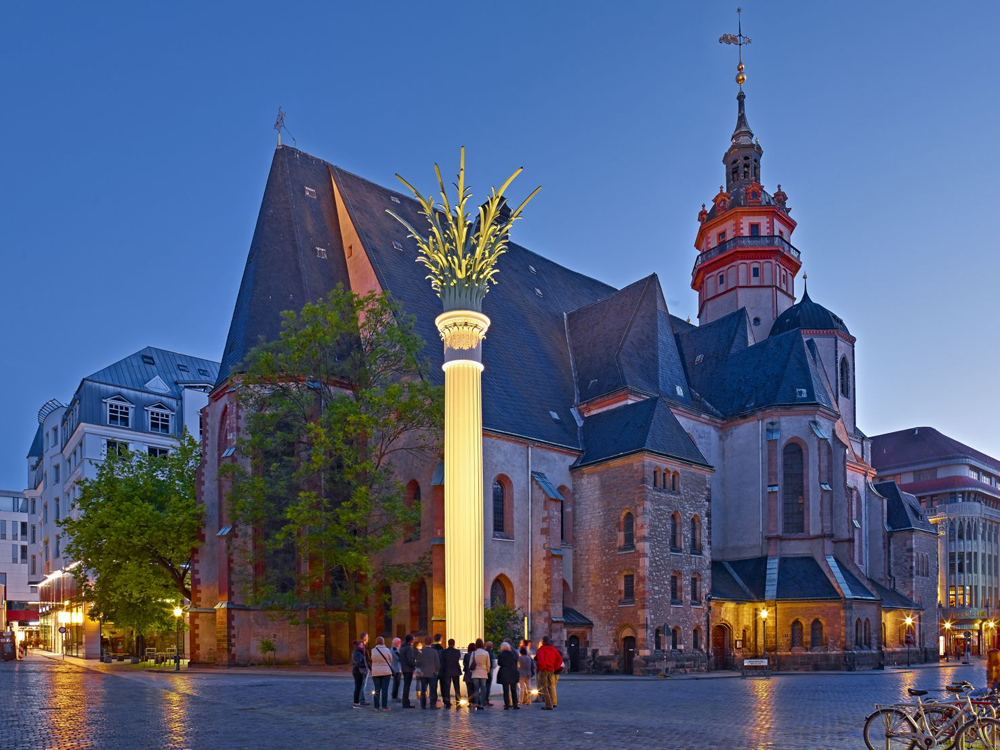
143 402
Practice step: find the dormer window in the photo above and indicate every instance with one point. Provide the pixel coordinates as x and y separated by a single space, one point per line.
119 412
159 419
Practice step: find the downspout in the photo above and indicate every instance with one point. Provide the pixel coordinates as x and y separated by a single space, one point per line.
760 482
531 540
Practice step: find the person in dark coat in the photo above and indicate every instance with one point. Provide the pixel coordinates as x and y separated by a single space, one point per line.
407 663
360 667
451 673
439 647
493 666
508 675
467 668
430 667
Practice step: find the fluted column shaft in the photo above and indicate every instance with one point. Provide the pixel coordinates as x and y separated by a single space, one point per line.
463 332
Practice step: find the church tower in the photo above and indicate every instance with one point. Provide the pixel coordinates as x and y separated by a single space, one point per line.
745 255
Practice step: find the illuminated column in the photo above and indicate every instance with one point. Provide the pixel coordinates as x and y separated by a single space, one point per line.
463 332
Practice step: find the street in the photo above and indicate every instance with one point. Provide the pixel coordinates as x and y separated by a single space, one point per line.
51 704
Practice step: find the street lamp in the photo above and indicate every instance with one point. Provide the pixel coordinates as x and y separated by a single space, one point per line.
908 638
991 625
947 639
177 656
763 616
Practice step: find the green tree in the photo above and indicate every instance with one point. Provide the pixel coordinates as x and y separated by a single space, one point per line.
326 409
133 532
501 621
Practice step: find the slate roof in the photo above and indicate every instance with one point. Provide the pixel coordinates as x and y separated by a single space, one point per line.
903 511
807 315
949 484
36 444
734 378
646 425
892 599
626 340
573 619
557 337
803 578
174 369
922 445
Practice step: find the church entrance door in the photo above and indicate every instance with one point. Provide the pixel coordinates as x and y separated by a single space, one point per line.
628 651
573 647
721 653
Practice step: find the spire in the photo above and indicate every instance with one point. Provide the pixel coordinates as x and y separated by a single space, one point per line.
742 134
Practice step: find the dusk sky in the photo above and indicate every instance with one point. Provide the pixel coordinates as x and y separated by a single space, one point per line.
139 136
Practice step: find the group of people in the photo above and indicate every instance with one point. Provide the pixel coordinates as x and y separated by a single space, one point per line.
435 666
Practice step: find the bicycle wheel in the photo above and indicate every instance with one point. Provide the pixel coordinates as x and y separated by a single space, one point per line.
978 734
890 729
939 720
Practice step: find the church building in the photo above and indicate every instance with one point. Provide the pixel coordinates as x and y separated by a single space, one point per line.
658 495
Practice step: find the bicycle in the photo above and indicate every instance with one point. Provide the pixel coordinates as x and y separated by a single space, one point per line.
907 726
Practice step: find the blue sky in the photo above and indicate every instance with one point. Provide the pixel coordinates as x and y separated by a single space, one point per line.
138 138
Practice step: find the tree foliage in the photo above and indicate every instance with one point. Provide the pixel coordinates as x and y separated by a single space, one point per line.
501 621
135 526
326 409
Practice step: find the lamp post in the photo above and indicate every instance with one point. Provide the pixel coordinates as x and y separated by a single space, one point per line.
763 616
908 638
947 639
991 626
177 656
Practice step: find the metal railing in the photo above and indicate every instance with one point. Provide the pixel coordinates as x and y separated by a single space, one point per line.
768 240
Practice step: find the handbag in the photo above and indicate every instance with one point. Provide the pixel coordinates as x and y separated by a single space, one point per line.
387 662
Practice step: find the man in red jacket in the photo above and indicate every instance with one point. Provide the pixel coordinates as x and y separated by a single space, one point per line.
550 664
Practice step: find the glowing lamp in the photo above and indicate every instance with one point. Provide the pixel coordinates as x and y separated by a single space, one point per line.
908 621
178 611
463 702
763 614
534 692
947 625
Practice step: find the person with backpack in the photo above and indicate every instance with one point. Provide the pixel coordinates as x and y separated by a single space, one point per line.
382 673
550 664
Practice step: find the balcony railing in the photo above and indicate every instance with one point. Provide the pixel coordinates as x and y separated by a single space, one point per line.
768 240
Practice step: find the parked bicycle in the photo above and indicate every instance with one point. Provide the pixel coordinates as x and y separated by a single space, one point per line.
961 724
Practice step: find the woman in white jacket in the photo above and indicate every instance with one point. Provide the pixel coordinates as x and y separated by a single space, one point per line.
481 673
381 673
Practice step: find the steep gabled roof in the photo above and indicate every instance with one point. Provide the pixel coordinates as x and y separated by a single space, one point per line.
626 340
284 270
526 357
740 378
647 425
903 511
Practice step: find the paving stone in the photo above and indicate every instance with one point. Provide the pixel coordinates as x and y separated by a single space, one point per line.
53 704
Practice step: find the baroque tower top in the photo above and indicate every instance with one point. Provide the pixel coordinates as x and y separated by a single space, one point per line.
745 256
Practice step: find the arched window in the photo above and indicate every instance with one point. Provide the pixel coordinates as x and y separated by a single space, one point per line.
413 502
503 508
675 532
816 634
951 532
868 633
566 515
675 638
675 482
883 634
498 592
797 634
858 634
628 530
656 477
695 590
386 610
961 531
657 640
793 489
222 439
695 535
696 639
628 587
845 377
675 588
422 607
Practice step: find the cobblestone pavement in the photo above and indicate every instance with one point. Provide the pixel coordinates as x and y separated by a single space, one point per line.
52 704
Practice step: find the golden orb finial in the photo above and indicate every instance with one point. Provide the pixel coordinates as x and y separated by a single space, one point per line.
740 78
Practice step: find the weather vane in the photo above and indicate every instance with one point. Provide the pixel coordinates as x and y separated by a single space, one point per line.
279 125
739 40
